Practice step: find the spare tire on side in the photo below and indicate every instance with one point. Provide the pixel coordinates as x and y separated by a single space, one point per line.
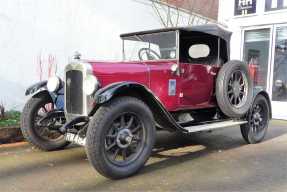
234 89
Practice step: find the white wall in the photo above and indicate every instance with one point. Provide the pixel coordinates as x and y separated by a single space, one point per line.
33 29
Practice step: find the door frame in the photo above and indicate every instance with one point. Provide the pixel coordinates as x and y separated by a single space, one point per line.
277 106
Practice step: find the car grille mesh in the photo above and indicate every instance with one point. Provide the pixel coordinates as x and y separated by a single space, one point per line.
74 92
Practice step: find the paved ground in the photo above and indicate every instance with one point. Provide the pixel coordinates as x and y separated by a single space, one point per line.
217 161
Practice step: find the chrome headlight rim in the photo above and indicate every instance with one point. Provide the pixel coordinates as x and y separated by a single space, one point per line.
90 84
54 84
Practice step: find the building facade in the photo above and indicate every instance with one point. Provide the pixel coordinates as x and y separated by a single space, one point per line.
260 38
205 8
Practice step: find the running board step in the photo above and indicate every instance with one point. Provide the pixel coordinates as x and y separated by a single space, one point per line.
212 126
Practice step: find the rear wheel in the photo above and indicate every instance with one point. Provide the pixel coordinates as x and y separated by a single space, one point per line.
41 136
120 137
258 119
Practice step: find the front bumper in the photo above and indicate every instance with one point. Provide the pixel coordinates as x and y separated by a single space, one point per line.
83 120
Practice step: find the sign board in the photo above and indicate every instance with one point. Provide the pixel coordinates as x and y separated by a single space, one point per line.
244 7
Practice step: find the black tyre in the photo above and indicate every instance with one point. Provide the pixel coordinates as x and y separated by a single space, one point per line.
258 119
120 137
234 89
40 136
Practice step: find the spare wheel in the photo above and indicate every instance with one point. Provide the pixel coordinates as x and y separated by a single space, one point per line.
234 89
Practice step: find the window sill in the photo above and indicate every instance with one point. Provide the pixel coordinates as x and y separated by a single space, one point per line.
244 16
275 11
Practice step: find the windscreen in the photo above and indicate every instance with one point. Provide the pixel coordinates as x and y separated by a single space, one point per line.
154 46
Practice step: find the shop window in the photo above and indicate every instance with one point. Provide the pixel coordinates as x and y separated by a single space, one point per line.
271 5
245 7
256 54
279 89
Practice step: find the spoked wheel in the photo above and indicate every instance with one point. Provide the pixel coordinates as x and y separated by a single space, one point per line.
258 119
234 89
47 129
125 139
120 137
237 89
45 135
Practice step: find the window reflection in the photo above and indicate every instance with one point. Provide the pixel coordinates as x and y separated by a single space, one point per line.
279 91
271 5
256 54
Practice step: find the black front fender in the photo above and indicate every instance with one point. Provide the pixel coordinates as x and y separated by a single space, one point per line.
37 87
105 94
161 115
40 88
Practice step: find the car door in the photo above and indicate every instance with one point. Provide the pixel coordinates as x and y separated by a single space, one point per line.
197 85
198 74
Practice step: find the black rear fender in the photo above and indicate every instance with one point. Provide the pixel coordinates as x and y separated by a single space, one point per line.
265 94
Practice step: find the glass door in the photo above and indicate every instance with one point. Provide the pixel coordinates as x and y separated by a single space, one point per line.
279 73
256 52
265 51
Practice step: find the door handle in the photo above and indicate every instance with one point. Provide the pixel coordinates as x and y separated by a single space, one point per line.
174 68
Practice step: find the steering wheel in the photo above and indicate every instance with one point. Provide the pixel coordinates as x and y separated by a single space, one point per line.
151 54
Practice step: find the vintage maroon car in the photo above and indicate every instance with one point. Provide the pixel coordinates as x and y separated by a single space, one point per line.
176 79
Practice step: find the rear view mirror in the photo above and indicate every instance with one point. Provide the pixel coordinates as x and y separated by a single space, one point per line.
199 51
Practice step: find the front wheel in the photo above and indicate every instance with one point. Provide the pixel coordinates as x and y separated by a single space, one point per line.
41 136
120 137
258 119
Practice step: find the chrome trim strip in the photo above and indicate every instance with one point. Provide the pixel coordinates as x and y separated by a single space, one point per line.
177 46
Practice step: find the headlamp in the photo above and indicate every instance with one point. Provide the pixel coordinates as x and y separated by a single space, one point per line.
91 84
53 84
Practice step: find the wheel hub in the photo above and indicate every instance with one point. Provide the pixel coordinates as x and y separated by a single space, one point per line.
236 89
257 118
124 138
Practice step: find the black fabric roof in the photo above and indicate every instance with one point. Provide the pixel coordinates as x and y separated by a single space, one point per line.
211 29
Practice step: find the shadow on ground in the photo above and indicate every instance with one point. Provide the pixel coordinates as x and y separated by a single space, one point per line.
198 146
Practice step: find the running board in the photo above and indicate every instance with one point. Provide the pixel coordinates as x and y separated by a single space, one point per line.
212 126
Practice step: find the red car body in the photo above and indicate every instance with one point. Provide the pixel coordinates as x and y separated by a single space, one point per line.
194 86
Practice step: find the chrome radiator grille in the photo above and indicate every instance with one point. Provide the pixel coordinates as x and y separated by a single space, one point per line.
74 92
